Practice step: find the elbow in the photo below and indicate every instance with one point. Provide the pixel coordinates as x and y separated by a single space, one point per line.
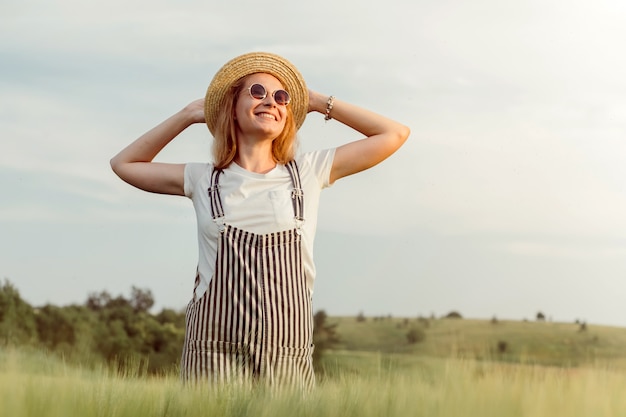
407 131
403 134
117 166
114 165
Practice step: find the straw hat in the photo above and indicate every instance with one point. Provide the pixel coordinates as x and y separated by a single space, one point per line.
251 63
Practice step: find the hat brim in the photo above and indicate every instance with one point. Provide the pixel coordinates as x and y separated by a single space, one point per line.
252 63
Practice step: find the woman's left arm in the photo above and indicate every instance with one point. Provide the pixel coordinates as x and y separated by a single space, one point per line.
383 136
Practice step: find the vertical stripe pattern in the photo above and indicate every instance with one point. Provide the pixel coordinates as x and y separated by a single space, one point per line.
254 322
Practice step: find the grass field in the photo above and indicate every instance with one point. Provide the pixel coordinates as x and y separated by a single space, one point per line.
547 343
368 381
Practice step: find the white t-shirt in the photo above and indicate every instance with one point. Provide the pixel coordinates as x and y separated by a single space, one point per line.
257 203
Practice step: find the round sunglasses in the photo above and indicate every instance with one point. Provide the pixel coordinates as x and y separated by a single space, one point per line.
259 92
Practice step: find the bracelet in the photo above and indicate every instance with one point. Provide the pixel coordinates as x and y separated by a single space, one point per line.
329 107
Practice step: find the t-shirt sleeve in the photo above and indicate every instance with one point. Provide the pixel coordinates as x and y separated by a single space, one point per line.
193 174
321 162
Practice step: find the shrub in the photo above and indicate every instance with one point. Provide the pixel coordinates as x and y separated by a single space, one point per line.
415 335
324 335
453 315
424 322
17 317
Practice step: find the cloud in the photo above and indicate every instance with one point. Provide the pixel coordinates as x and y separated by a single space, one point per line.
568 249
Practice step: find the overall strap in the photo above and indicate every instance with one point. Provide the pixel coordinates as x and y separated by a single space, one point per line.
217 211
297 195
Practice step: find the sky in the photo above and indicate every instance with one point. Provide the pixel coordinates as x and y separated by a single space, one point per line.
509 197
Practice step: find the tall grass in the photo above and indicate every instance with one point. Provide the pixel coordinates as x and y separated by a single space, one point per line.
34 384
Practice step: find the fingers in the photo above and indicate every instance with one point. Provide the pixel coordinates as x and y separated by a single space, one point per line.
196 111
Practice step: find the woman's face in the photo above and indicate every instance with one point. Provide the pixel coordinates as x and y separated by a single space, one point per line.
262 118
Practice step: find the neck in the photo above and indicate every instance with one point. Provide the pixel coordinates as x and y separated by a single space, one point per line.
257 158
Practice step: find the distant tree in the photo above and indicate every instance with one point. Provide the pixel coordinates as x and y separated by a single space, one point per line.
169 316
141 300
164 342
17 317
453 315
494 320
98 301
55 327
114 329
541 316
126 330
84 323
415 335
113 342
360 317
324 335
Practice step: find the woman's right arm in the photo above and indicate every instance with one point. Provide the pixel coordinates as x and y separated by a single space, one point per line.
134 163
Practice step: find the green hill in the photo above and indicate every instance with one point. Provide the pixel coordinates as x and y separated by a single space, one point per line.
544 343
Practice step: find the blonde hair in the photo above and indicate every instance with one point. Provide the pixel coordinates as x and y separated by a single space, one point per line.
225 143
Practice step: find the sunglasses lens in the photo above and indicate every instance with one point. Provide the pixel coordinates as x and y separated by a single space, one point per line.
282 97
257 91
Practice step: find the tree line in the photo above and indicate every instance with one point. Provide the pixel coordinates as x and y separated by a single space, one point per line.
110 329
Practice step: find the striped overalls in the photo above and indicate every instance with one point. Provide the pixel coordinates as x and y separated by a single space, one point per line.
254 322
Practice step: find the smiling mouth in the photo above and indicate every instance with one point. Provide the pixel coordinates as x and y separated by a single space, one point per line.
266 116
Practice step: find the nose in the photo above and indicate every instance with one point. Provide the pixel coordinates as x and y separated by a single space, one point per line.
269 100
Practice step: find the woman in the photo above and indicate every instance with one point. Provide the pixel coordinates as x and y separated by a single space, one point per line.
250 317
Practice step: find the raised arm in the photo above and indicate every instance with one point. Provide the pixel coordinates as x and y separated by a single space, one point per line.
383 136
134 163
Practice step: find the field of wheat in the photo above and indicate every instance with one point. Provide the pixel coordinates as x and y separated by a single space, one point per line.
35 384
